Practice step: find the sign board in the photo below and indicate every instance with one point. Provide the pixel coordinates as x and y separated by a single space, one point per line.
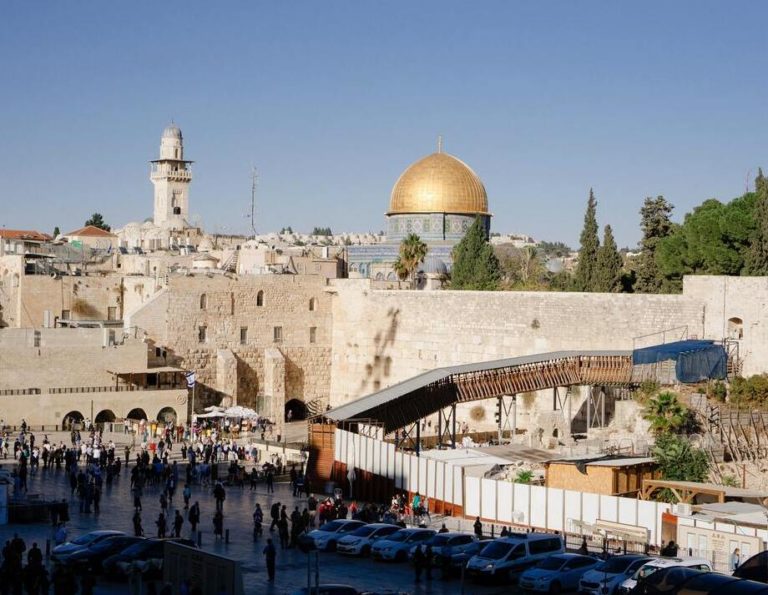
211 573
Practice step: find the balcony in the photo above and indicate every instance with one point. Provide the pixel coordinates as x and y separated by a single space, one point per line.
159 173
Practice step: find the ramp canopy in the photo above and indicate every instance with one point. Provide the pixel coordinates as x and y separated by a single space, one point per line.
695 360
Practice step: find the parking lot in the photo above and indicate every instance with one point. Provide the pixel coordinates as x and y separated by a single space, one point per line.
117 510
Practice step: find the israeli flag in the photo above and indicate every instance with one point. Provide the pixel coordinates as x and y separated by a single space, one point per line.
190 376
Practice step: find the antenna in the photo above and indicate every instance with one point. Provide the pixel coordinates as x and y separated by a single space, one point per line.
254 181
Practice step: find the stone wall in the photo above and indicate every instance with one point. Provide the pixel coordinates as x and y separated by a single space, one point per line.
383 337
292 304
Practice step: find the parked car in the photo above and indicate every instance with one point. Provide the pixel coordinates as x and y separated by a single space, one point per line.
118 565
507 557
61 552
668 580
657 564
91 558
460 559
359 542
557 573
606 578
395 547
327 537
456 542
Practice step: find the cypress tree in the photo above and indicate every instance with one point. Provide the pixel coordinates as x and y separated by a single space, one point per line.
757 254
589 244
475 266
656 225
609 264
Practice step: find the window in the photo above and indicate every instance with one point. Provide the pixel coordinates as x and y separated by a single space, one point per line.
277 334
65 315
312 304
260 298
735 328
202 334
112 313
37 338
312 334
177 210
203 301
243 335
541 546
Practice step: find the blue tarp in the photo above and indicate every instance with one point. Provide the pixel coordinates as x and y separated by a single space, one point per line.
696 360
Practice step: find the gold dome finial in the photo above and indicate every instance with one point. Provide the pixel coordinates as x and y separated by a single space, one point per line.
439 143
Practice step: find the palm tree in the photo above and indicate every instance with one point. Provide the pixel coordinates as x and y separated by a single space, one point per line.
412 253
666 414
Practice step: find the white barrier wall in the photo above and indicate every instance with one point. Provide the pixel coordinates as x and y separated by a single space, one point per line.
502 502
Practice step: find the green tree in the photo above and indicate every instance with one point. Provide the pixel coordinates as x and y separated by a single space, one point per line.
524 476
56 231
668 415
757 253
589 244
713 240
609 264
522 268
679 460
475 265
412 253
656 225
98 221
321 231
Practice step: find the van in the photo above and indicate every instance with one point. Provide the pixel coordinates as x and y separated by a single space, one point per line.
507 557
656 564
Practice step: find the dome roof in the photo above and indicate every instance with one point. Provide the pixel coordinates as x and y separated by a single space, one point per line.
172 131
439 183
433 266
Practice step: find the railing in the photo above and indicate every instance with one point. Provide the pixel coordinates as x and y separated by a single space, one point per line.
171 173
9 392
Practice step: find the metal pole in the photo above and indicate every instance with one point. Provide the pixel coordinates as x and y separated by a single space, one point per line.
602 407
514 417
589 409
418 437
453 436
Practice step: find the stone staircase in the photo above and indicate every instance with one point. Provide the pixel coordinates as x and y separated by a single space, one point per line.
230 264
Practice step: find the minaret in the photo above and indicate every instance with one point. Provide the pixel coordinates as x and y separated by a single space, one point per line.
171 176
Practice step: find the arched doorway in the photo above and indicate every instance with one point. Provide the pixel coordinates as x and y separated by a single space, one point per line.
136 414
735 328
295 410
104 416
72 421
167 415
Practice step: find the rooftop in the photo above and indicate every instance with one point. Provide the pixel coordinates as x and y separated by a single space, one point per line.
24 234
91 231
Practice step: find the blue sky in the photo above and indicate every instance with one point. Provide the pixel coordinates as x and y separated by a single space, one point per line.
332 100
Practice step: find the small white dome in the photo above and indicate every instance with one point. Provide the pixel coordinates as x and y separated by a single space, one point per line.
172 131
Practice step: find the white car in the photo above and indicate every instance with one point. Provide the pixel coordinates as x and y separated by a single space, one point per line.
655 564
395 547
326 537
359 542
606 578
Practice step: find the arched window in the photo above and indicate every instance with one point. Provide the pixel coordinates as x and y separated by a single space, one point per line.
260 298
735 328
177 210
312 304
203 301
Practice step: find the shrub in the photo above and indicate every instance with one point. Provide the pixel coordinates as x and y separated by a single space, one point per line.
750 391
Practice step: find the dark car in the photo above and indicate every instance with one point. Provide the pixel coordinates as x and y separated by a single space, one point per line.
62 552
666 580
93 556
149 549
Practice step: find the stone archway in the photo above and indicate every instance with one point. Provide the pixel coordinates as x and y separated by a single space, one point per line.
297 409
167 415
137 414
72 421
104 416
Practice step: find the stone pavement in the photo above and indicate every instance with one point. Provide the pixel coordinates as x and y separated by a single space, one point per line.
116 513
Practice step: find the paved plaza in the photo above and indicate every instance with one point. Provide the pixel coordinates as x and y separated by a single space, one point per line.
117 510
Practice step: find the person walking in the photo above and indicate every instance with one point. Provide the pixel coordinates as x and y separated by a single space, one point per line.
220 494
270 554
187 494
735 559
138 530
258 520
274 512
218 524
194 516
178 522
160 522
478 526
418 563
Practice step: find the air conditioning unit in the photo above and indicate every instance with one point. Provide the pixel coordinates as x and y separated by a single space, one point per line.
682 509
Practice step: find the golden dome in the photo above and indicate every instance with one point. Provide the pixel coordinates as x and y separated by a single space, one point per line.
439 183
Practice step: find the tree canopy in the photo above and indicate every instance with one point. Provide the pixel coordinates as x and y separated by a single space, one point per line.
679 460
98 221
656 225
589 243
608 265
756 258
412 253
475 265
